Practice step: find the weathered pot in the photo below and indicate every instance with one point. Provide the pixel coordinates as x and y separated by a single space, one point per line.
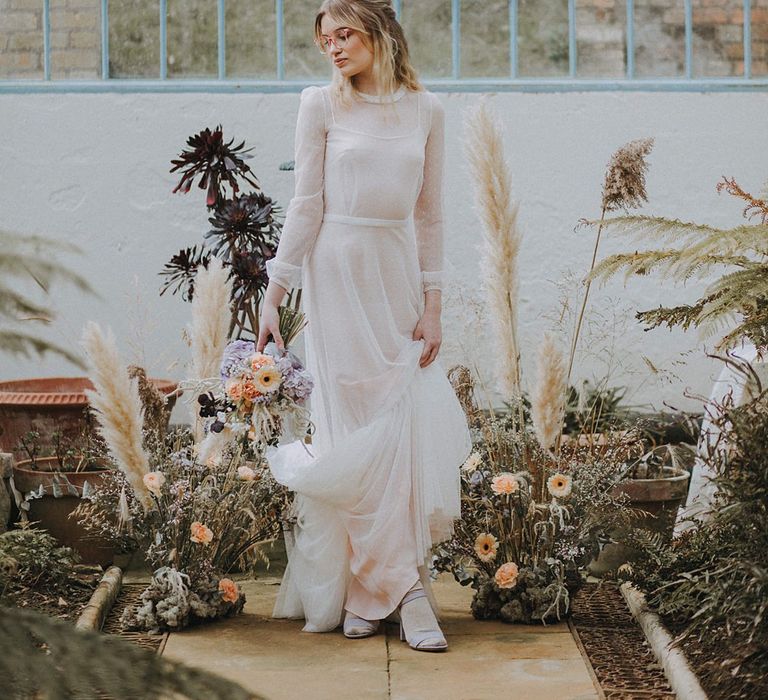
48 405
51 513
660 498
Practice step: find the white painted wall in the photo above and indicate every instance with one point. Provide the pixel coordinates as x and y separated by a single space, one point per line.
93 169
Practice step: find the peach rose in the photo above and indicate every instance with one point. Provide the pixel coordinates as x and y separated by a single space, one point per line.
506 575
228 590
200 533
259 360
234 389
504 483
154 482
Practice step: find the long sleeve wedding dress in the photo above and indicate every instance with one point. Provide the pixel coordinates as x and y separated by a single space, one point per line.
363 237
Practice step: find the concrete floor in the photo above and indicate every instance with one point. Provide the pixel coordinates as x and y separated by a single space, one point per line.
485 660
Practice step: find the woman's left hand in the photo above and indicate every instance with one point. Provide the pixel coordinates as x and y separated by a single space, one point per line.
429 329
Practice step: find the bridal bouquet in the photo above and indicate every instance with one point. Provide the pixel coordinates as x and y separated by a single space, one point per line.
260 398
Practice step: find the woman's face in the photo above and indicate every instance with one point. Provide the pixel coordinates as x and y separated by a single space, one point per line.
354 56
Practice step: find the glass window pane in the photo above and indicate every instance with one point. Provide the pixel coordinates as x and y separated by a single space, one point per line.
75 39
718 39
542 38
601 38
192 39
427 27
302 59
21 39
134 39
760 38
659 38
485 38
251 39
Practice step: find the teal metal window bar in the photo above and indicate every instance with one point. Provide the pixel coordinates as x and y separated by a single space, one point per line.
455 83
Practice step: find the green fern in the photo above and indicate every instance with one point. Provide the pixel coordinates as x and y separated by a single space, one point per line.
736 302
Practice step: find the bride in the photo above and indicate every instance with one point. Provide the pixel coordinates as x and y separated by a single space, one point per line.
363 238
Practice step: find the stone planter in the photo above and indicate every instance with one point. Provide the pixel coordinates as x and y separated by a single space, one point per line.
48 405
660 498
51 512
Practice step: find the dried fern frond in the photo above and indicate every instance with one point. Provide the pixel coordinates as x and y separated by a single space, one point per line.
118 408
680 265
746 237
755 206
484 150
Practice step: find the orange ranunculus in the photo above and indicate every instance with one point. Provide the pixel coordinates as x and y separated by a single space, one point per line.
228 589
259 360
504 483
234 389
201 534
506 575
250 391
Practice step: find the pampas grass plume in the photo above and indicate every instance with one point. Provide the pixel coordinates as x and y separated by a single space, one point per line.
548 399
484 150
119 410
211 317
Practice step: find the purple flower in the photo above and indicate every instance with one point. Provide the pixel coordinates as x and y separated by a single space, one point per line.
235 355
297 382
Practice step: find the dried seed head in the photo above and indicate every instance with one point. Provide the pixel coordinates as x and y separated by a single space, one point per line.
624 186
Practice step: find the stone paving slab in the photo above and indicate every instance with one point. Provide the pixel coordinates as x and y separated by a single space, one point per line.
485 661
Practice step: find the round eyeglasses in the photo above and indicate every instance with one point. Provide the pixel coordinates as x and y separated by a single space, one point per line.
339 39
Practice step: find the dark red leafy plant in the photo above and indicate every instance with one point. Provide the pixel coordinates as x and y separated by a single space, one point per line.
244 227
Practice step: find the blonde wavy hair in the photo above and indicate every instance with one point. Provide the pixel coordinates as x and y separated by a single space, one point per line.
382 34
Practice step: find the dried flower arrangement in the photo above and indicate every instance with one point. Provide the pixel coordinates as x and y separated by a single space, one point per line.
195 502
534 512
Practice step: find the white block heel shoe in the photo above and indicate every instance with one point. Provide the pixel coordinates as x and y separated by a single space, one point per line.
356 627
418 625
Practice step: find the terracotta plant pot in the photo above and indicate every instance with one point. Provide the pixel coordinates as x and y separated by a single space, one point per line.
661 498
51 513
48 405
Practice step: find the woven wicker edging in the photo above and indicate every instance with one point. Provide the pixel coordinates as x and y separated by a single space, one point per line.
102 600
676 667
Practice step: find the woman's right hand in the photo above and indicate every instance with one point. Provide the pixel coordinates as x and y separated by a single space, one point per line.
269 323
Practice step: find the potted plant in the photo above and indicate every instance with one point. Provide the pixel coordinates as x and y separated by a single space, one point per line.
654 485
49 488
50 406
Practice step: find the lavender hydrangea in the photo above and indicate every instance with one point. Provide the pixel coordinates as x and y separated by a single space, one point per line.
297 382
235 355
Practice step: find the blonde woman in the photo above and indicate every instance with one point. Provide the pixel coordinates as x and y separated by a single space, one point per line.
363 237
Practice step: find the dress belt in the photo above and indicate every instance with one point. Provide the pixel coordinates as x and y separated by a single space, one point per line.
363 221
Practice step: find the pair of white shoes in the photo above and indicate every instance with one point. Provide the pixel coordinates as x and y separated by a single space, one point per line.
418 625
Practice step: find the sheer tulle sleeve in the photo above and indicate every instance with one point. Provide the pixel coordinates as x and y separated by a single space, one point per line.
305 210
428 212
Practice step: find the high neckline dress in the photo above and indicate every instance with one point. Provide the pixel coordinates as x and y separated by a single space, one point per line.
363 238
